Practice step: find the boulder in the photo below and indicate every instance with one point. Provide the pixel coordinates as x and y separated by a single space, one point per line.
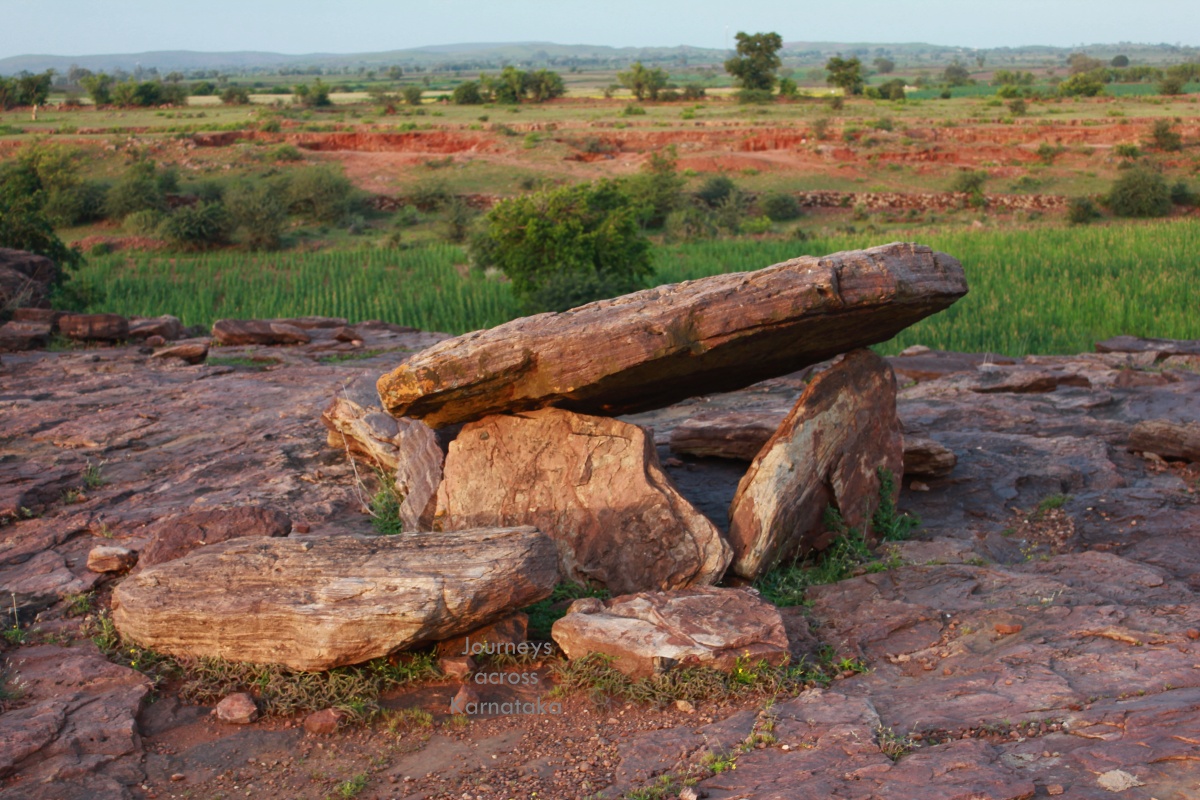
111 559
404 448
318 602
513 630
166 326
94 327
652 632
652 348
324 722
1166 439
825 454
17 336
191 353
257 331
43 316
595 486
175 537
25 278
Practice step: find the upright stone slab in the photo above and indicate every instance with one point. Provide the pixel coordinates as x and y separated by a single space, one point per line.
595 486
655 347
825 453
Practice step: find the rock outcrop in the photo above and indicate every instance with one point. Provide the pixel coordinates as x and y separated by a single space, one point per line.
176 536
94 327
825 454
258 331
1166 439
655 347
595 486
25 279
653 632
317 602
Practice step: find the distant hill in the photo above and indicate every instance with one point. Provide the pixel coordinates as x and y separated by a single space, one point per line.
491 55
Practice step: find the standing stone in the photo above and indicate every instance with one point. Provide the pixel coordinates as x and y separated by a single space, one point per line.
595 486
653 348
825 454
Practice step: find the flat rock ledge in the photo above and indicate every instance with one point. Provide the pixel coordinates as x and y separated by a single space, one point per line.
317 602
653 632
652 348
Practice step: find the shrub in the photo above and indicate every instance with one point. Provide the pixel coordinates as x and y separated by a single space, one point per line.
1165 137
1084 84
754 96
820 128
458 219
285 152
23 224
77 204
139 189
320 193
1048 152
715 190
236 96
1081 211
412 94
430 194
1126 150
313 95
1018 107
257 213
1171 85
632 110
781 207
197 227
1181 195
658 189
693 91
1140 192
689 224
892 90
586 236
969 181
467 94
144 222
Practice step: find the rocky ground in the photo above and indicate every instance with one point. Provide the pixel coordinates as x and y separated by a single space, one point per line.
1039 636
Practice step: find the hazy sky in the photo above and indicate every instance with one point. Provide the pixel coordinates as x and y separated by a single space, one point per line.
81 27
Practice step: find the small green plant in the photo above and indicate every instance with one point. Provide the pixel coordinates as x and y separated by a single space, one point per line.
1081 211
544 613
892 744
93 474
79 604
781 207
352 786
385 510
407 720
887 522
1126 150
633 110
1164 137
1048 152
1049 503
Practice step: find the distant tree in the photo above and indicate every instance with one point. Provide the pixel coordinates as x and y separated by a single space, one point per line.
395 73
99 88
1120 61
643 82
1079 63
34 90
174 77
509 87
884 65
756 61
8 93
313 95
892 90
545 85
1082 84
203 88
412 94
845 74
467 93
956 74
236 96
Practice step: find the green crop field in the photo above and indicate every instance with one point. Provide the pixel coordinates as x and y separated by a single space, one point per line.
1042 290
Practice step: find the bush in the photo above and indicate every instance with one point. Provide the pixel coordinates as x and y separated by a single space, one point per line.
1081 211
458 216
1165 137
320 193
1126 150
690 224
197 227
1018 107
970 182
1181 195
892 90
1085 84
144 222
314 95
754 96
632 110
781 207
1140 192
23 225
412 94
573 244
693 91
285 152
236 96
430 194
77 204
1048 152
257 213
715 190
658 189
1171 85
139 189
467 94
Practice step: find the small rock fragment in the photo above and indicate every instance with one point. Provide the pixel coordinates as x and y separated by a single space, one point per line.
1118 780
237 709
324 722
466 696
111 559
457 666
1006 629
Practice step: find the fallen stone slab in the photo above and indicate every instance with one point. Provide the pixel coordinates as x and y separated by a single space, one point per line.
653 632
17 336
190 353
257 331
404 448
740 435
825 454
110 559
166 326
652 348
94 327
176 536
318 602
1166 439
1160 347
595 486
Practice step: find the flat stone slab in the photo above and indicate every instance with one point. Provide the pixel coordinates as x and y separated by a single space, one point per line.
652 348
318 602
653 632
